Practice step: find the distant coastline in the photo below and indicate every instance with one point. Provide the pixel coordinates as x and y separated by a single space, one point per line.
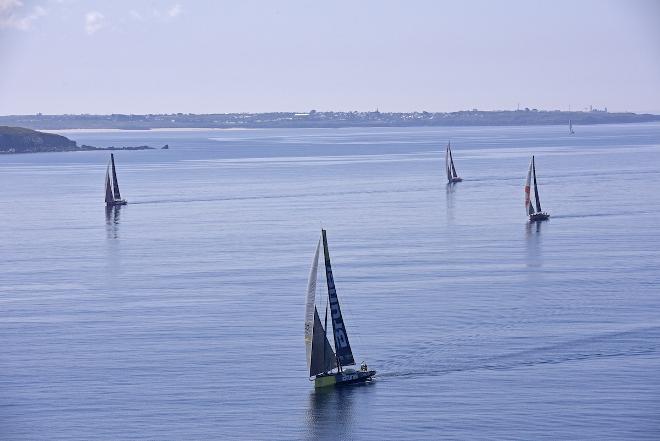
152 129
15 140
314 119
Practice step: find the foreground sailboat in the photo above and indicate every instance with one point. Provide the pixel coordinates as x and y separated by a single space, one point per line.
452 176
535 214
570 127
327 364
112 195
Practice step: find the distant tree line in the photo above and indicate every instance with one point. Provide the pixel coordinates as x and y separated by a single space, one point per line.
324 119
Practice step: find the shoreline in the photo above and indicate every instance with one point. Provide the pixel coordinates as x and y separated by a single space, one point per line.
152 129
313 119
241 129
83 149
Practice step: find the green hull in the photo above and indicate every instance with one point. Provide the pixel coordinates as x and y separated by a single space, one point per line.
342 378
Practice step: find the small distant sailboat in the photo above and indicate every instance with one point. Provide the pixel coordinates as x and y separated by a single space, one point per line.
112 195
452 176
570 127
322 359
535 214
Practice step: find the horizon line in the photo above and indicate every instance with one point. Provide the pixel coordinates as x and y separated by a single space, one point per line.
376 110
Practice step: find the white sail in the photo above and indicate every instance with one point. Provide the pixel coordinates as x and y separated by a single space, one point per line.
528 185
310 305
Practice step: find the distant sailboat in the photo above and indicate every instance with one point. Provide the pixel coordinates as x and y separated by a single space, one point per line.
570 127
452 176
322 358
535 214
112 195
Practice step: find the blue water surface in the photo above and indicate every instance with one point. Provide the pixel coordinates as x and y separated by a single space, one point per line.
180 316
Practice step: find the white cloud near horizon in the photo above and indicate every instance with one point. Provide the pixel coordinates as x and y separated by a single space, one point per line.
175 10
14 15
9 4
94 21
163 15
135 15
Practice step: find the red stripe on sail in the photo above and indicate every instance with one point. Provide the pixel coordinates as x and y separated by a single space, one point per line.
527 196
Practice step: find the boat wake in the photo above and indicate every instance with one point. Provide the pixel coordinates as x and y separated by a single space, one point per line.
620 344
611 214
279 196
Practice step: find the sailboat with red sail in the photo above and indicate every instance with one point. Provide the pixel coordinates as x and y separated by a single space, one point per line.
535 213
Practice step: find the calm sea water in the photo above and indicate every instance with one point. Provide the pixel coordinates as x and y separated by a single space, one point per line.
180 316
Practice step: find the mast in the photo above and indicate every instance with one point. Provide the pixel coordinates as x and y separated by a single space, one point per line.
320 356
326 255
310 304
529 208
342 345
109 198
536 189
447 166
451 161
325 329
115 184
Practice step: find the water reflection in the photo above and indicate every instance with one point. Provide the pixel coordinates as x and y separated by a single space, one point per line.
112 217
533 240
330 412
451 188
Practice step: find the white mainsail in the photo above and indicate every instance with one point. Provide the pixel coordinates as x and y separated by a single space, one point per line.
529 209
310 305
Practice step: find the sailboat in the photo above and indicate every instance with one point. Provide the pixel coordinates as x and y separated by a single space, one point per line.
570 127
112 195
452 176
327 363
535 213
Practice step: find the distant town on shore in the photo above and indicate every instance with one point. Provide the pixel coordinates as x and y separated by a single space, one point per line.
521 117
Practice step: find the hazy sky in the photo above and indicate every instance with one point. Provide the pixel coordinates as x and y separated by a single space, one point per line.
132 56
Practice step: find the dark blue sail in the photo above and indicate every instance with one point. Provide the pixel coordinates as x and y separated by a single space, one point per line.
323 359
115 184
342 346
109 197
451 160
536 189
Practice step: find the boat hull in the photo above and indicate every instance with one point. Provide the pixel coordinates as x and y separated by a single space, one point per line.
117 202
456 179
538 217
343 378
